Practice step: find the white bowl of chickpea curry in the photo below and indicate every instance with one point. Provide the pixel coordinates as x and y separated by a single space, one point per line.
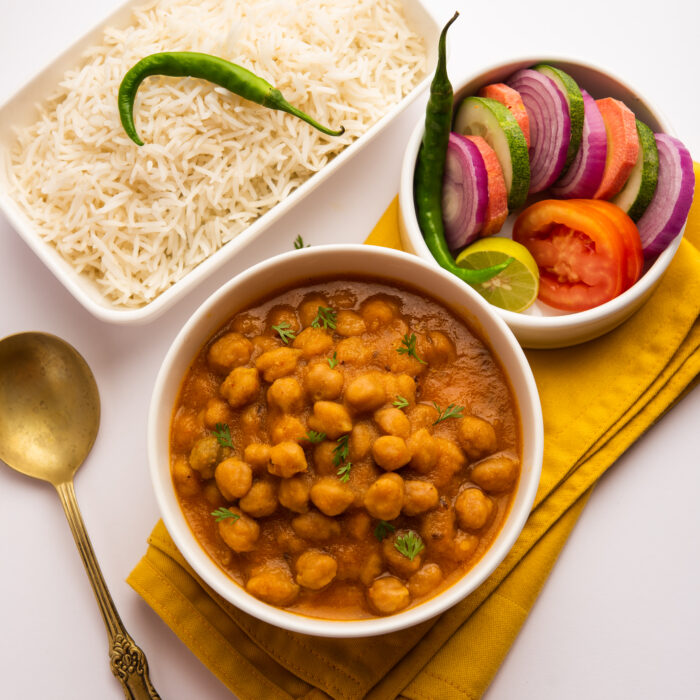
345 454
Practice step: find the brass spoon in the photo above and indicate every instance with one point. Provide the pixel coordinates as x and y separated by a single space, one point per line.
49 417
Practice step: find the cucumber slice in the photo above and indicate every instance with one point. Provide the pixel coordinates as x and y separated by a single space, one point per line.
638 191
572 94
482 116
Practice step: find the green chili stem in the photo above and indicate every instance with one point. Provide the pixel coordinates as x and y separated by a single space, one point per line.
430 169
186 64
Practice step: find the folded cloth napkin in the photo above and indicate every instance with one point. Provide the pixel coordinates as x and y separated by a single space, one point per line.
616 387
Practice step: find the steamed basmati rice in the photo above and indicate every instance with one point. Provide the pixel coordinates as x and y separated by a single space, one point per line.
137 219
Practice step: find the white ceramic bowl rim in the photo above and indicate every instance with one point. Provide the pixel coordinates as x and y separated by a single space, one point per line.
579 318
494 330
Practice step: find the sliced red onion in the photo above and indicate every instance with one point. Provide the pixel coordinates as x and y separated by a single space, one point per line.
585 174
464 192
668 209
550 125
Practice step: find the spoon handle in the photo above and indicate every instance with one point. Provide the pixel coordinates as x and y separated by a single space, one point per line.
127 660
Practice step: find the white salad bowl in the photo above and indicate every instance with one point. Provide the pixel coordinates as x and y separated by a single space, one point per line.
541 326
341 261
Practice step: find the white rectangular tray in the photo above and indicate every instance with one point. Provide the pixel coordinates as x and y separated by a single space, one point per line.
20 110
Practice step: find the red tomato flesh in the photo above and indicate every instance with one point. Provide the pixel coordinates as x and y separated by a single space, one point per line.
579 251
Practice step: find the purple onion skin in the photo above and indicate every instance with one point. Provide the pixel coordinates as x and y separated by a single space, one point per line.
668 209
465 178
547 149
582 179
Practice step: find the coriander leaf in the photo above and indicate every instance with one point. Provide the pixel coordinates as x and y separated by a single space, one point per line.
224 513
299 243
383 529
344 472
341 450
452 411
315 437
284 329
223 434
408 347
333 361
325 316
400 402
409 544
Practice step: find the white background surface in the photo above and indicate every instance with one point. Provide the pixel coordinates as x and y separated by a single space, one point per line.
619 617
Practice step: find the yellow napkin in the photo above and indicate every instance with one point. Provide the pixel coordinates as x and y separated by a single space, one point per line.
615 387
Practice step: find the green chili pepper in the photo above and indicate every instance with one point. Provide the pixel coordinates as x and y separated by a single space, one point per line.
183 64
430 168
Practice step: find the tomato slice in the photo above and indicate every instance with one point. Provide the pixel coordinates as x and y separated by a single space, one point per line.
580 253
630 236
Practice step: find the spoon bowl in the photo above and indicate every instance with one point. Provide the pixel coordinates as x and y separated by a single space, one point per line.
49 418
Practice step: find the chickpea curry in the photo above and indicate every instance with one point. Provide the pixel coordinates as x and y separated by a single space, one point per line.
345 449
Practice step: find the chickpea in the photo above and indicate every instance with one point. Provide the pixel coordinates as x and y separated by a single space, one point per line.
205 455
384 498
331 496
265 343
293 494
274 586
252 419
286 394
366 392
283 314
312 342
397 562
437 349
287 429
277 363
406 364
241 386
289 542
393 421
353 351
422 416
213 495
361 439
261 499
425 580
495 474
286 459
473 508
450 460
438 528
229 351
257 455
388 595
330 418
246 324
349 323
420 496
390 452
424 450
308 309
464 545
187 428
371 567
477 437
217 411
323 458
315 569
186 479
315 527
323 383
378 312
239 534
234 478
400 385
357 525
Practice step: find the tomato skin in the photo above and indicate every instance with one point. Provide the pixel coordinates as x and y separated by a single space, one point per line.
630 236
581 254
